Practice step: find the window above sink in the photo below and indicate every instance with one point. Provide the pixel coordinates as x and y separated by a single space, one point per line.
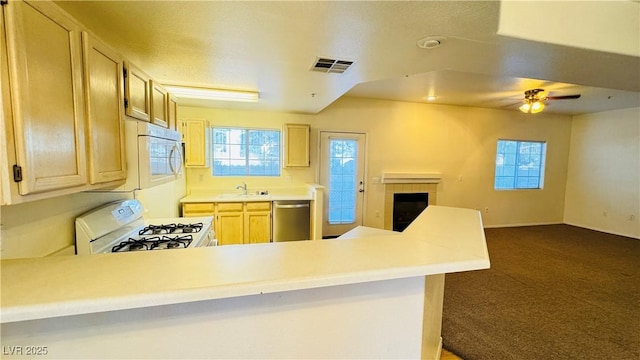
245 152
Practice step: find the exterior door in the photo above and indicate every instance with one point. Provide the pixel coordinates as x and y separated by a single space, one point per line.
342 159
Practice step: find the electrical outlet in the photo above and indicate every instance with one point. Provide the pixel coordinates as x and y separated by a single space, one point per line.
632 217
486 210
377 213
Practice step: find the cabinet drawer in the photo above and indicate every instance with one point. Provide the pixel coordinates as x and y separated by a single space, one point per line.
229 207
198 207
258 206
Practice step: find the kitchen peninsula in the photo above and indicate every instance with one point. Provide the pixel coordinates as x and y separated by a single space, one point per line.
371 294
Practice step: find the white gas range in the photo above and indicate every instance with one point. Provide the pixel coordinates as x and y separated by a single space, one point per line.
120 227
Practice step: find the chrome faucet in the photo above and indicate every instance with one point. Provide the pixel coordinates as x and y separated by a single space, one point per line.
243 187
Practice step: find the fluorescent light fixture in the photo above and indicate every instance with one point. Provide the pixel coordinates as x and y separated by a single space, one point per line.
186 92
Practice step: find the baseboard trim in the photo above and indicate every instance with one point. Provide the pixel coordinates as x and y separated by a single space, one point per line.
522 224
604 230
564 223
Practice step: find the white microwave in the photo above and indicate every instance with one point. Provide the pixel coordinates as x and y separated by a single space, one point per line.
154 155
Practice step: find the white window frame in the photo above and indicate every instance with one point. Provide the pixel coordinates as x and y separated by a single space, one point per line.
501 168
276 164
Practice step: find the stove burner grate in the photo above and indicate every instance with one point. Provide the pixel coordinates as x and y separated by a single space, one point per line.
175 242
190 228
154 243
171 229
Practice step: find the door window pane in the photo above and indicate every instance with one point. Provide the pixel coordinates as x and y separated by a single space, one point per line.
342 180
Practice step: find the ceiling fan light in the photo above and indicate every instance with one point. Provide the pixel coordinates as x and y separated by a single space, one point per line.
525 108
537 106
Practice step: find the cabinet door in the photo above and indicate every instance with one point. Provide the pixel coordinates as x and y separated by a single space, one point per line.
296 145
173 112
45 62
257 227
198 209
229 225
104 104
257 223
159 104
136 93
196 144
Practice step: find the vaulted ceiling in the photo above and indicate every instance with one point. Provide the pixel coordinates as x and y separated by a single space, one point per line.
488 54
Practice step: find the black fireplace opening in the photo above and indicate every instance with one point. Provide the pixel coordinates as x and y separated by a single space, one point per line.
407 207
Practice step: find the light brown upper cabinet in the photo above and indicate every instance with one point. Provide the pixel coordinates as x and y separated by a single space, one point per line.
173 113
296 145
104 98
136 92
159 104
46 121
196 142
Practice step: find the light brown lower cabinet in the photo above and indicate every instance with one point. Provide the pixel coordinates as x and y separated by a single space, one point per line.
235 222
257 222
198 209
229 223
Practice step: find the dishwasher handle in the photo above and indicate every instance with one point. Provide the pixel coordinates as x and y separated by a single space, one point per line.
291 206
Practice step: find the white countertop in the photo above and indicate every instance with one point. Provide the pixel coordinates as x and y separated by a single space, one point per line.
440 240
215 198
274 194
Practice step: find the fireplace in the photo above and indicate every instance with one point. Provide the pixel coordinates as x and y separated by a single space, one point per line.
407 207
408 184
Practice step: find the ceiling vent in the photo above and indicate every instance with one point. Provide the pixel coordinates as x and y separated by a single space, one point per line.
335 66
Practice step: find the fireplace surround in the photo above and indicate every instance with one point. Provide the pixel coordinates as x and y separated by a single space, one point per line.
393 188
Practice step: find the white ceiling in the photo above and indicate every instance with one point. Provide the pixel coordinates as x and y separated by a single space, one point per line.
271 46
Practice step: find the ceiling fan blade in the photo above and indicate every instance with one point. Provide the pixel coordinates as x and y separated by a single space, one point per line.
542 94
563 97
512 104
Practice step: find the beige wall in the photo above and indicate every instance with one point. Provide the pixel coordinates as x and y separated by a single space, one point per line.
458 142
603 183
43 227
201 179
162 201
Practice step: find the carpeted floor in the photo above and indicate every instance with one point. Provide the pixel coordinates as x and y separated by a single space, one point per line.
553 292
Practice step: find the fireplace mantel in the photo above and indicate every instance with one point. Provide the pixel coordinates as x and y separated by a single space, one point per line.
410 178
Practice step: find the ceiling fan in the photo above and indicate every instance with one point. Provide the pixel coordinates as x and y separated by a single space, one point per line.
533 101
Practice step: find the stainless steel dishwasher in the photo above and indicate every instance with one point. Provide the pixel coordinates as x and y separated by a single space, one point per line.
291 220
